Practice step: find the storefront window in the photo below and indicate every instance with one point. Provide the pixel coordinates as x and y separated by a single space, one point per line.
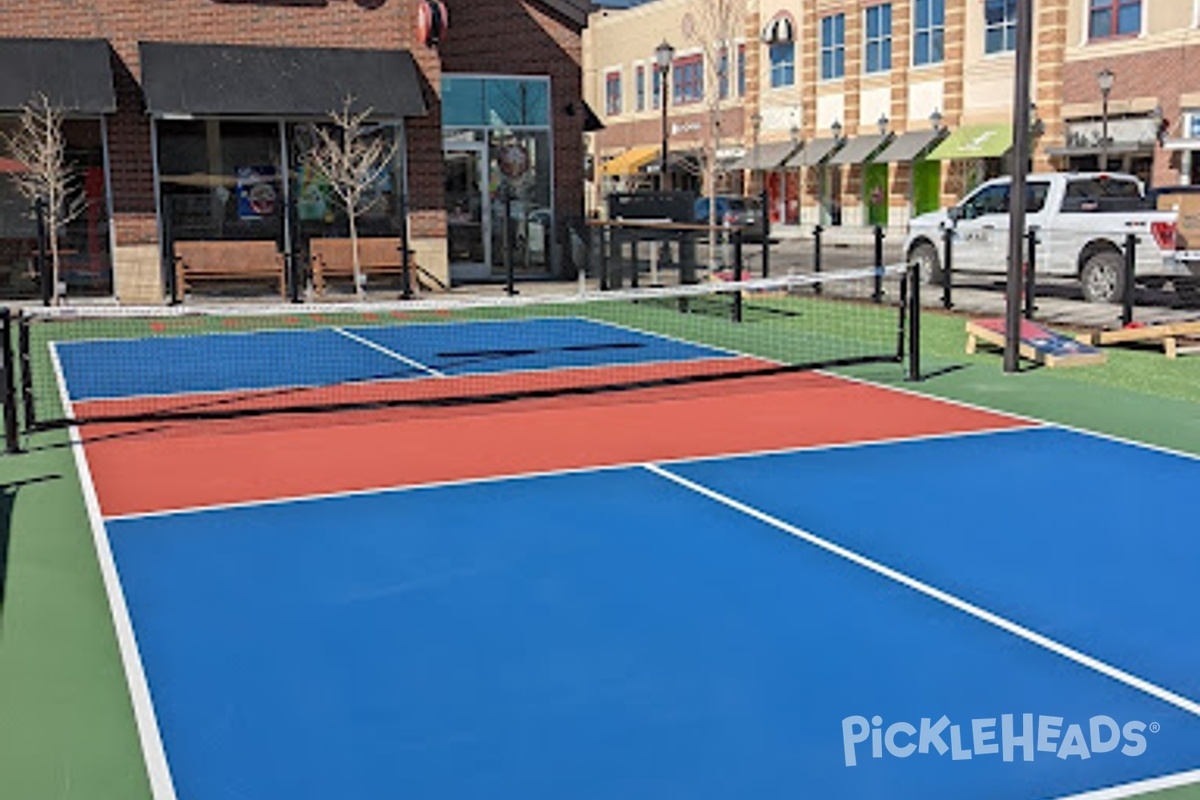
86 262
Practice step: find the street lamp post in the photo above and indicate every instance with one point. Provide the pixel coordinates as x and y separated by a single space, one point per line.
664 56
1105 78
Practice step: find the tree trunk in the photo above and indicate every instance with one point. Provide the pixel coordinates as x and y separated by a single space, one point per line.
358 282
52 235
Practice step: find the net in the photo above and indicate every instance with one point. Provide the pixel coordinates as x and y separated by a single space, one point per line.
82 365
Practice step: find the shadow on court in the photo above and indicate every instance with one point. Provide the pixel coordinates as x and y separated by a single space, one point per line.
8 499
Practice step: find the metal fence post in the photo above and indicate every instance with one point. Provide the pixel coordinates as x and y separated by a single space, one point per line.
817 256
1130 264
509 268
1031 237
737 273
914 323
766 235
26 360
406 287
12 441
947 266
877 293
45 278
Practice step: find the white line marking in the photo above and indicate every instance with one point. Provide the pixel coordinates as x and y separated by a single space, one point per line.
390 353
157 769
1139 787
1167 696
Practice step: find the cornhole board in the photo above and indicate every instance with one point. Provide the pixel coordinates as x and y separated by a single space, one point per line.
1038 344
1169 333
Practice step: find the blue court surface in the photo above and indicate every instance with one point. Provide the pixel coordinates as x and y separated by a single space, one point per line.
319 357
1007 621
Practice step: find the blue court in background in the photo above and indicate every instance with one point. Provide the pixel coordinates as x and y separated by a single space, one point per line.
616 634
290 358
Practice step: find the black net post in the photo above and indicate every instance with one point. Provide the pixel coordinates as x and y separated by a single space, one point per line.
766 233
817 230
1031 237
168 250
914 322
877 293
25 359
737 273
635 251
45 276
1130 264
12 442
947 267
603 241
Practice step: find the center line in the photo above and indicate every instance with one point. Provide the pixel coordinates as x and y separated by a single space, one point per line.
391 353
1167 696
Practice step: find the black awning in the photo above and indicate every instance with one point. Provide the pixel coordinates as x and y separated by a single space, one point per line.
74 74
239 80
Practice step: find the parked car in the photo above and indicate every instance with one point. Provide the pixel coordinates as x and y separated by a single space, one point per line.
1082 221
745 212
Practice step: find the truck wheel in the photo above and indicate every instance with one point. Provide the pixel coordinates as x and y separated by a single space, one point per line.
1103 278
928 261
1188 291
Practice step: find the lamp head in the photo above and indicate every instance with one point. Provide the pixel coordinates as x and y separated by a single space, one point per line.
664 54
883 124
935 119
836 129
1106 78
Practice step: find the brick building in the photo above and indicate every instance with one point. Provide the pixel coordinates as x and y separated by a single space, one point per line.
184 119
863 112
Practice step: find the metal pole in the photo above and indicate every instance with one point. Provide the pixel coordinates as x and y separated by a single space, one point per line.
1031 272
1017 198
766 226
662 167
1127 294
8 385
737 273
26 361
947 267
45 279
406 289
817 256
1104 131
509 277
914 323
877 293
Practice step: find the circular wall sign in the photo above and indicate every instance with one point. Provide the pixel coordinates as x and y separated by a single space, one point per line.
432 21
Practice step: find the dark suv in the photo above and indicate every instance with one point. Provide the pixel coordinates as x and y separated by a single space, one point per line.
745 212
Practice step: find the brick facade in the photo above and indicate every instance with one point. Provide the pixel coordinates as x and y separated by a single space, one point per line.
500 36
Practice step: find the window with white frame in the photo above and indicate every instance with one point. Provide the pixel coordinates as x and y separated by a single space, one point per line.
877 53
655 88
687 80
783 64
833 46
929 32
1000 25
723 73
612 93
639 87
741 70
1108 18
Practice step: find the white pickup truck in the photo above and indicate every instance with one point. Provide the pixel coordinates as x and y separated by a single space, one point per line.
1082 220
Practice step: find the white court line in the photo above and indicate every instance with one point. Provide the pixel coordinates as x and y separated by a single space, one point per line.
157 768
390 353
1029 635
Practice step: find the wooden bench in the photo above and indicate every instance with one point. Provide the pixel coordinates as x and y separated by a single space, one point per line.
255 260
333 259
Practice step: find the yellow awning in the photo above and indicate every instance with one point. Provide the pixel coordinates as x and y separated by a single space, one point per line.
630 161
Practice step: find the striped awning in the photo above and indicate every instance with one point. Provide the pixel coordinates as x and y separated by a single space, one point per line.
780 30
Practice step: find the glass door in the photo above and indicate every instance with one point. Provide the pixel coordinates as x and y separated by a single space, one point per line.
468 214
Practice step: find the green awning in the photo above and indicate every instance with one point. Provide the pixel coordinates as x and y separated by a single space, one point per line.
974 141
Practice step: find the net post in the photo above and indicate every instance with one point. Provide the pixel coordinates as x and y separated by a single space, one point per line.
914 322
509 276
12 441
1031 271
737 273
947 266
406 281
817 230
877 293
635 255
1130 265
24 355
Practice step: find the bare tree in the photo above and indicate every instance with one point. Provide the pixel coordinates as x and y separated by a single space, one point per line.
39 146
351 156
715 26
